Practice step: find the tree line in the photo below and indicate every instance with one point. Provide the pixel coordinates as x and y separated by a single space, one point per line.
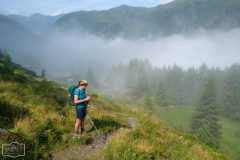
10 70
173 85
213 91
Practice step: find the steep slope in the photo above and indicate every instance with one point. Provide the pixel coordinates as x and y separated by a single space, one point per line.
36 22
175 17
14 36
10 28
186 15
23 45
35 111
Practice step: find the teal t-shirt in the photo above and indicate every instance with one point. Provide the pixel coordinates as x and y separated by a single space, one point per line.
81 96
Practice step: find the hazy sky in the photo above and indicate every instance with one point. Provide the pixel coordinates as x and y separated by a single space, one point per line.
55 7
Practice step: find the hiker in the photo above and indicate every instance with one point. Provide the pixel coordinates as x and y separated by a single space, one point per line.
81 100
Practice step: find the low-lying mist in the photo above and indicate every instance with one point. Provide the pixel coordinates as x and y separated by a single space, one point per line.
75 53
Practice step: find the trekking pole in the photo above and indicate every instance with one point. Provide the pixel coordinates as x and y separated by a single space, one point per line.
103 139
93 124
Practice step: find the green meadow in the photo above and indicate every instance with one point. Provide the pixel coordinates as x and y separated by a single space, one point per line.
179 118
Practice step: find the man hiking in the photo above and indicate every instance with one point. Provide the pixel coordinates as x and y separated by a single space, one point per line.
81 100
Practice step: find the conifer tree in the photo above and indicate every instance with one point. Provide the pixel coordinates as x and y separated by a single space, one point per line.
43 73
148 102
230 94
90 77
132 72
7 63
1 54
111 75
200 81
142 81
148 66
205 121
1 60
202 72
154 78
188 84
172 93
160 96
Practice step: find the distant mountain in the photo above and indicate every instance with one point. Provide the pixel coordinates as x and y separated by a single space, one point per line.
166 19
12 31
36 22
7 24
14 36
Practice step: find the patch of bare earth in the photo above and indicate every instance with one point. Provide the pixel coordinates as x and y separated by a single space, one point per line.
93 150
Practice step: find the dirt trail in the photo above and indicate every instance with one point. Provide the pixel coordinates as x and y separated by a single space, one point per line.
92 151
120 95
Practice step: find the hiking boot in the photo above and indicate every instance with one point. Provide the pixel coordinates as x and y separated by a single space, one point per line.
77 133
83 130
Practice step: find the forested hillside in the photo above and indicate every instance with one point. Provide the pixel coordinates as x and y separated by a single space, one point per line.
203 101
35 113
179 16
178 86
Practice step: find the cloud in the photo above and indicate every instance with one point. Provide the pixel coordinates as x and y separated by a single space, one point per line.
215 48
14 12
165 1
58 13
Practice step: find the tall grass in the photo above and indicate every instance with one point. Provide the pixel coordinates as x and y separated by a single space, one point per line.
152 140
37 111
179 118
24 127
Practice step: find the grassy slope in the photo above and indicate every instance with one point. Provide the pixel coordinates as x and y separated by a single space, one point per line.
230 138
35 110
179 118
153 140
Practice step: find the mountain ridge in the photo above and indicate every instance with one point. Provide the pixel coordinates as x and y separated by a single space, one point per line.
176 17
179 16
36 22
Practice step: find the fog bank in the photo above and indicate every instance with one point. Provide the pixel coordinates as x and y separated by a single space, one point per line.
76 52
215 48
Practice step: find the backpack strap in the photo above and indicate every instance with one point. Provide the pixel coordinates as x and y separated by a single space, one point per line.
79 93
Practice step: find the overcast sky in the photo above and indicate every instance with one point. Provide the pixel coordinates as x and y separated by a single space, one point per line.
55 7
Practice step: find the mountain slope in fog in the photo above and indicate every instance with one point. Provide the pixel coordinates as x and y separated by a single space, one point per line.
35 111
36 22
11 31
12 27
15 38
178 16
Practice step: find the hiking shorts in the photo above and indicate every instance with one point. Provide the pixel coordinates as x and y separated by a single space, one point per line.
81 113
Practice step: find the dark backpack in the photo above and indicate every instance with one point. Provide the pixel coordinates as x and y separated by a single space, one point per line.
71 90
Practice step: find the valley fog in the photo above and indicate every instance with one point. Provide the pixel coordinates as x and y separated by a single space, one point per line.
76 53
